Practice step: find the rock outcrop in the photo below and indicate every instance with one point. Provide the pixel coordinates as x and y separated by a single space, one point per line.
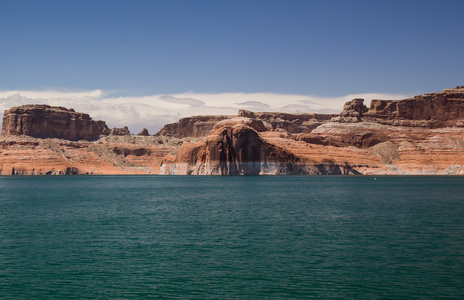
256 124
144 132
231 150
352 112
291 123
200 126
359 136
22 155
435 110
119 131
44 121
197 126
235 148
406 151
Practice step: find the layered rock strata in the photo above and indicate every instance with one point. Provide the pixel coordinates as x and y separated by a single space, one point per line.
352 112
200 126
44 121
197 126
398 151
110 155
434 110
422 135
237 149
291 123
231 150
119 131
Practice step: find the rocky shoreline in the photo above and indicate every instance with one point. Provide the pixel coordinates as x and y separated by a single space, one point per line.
423 135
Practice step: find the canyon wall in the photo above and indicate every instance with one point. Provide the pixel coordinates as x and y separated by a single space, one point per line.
44 121
197 126
232 149
420 135
291 123
200 126
445 109
235 148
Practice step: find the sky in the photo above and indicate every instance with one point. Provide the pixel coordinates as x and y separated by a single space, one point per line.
147 63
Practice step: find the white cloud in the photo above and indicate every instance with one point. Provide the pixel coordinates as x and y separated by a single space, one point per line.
253 105
153 111
187 101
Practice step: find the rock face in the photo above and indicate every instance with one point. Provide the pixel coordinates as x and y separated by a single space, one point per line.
200 126
291 123
22 155
395 150
445 109
231 150
256 124
120 131
235 148
360 137
354 108
144 132
352 112
197 126
44 121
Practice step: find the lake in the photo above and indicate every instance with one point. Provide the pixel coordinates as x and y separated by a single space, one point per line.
240 237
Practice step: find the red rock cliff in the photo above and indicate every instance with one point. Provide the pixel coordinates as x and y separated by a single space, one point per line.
197 126
292 123
200 126
231 150
445 109
44 121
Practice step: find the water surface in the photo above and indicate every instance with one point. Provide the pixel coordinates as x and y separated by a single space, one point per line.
244 237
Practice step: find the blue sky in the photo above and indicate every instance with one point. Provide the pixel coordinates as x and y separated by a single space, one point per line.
311 48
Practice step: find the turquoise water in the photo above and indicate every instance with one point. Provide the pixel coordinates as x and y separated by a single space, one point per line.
133 237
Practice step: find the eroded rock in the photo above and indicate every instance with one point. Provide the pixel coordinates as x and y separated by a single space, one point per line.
120 131
231 150
44 121
435 110
196 126
144 132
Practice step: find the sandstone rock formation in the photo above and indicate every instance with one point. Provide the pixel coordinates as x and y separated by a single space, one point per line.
421 135
359 136
44 121
120 131
23 155
256 124
233 149
354 108
352 112
407 151
200 126
144 132
291 123
435 110
197 126
246 113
